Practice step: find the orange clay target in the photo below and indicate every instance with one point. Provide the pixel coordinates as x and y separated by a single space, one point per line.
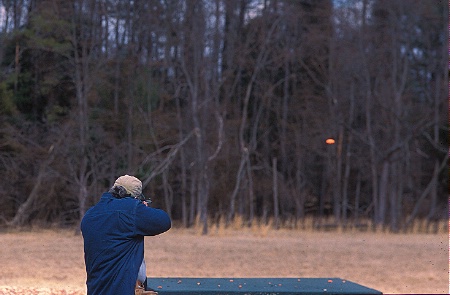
330 141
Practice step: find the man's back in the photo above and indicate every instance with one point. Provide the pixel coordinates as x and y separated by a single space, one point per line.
113 232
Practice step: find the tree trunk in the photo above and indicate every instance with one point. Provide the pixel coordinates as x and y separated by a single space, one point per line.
373 160
336 177
384 191
346 180
192 203
239 176
250 192
168 194
184 213
357 197
275 194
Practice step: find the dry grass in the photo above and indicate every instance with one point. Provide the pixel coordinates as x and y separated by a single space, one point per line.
51 261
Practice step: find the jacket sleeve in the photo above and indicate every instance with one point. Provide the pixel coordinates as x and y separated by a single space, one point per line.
151 221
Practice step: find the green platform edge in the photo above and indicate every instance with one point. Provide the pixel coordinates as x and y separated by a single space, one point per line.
255 286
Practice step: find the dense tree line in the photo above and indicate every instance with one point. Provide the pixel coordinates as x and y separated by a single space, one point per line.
223 108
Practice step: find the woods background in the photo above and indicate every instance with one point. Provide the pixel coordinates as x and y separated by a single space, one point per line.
222 108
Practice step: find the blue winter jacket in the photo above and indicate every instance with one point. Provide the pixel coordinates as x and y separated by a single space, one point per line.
113 232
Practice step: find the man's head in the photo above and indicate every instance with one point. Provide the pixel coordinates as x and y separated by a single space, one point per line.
131 184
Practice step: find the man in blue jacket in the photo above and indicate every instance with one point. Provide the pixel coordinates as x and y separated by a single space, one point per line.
113 232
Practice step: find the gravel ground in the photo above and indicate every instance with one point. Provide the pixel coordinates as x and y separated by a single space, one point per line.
47 262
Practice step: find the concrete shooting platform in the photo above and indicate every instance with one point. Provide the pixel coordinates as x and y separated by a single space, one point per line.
253 286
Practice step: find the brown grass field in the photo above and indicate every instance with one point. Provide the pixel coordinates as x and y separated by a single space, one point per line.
51 261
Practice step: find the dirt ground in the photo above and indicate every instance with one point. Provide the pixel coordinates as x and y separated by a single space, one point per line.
51 261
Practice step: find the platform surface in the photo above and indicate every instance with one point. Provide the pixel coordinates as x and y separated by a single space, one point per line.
253 286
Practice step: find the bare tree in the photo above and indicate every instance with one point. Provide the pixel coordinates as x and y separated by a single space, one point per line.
85 41
198 99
